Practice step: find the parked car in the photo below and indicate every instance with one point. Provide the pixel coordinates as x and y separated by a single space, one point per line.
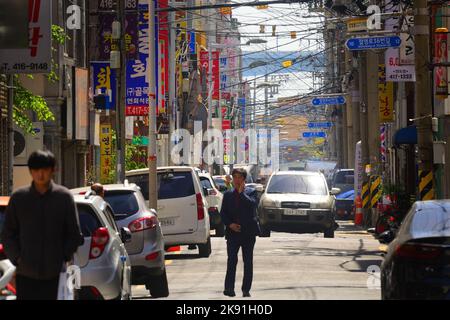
182 206
220 183
214 198
146 247
7 269
103 259
297 201
417 261
345 205
343 179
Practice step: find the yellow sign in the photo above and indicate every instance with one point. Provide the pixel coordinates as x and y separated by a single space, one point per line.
105 152
287 63
385 96
355 25
262 7
225 10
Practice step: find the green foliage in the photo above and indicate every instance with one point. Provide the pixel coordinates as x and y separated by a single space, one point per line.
25 100
134 158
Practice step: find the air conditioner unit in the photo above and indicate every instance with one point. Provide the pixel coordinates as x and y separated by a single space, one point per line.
25 144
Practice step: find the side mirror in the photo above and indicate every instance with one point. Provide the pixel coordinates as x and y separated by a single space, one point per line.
386 237
210 192
335 191
125 235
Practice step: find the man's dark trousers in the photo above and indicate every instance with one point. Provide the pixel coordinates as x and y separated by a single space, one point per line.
247 243
31 289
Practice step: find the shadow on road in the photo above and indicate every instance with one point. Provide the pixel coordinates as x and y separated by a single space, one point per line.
182 256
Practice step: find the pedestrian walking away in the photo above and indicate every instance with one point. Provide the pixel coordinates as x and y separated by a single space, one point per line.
41 230
238 213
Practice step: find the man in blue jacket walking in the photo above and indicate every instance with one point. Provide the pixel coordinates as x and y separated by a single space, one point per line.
239 216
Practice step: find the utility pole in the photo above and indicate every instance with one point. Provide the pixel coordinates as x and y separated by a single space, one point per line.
118 63
172 82
152 157
423 94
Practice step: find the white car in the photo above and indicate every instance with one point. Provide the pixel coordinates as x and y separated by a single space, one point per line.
214 198
182 206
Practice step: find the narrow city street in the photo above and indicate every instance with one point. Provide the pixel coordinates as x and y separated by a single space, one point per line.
286 266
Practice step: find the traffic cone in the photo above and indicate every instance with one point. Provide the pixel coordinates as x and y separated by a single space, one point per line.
358 212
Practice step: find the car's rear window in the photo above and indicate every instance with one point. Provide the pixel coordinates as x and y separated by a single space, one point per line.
2 220
344 177
434 219
88 220
305 184
123 203
175 185
141 180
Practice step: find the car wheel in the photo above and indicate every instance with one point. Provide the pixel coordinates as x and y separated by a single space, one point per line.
329 233
265 232
158 286
204 249
220 230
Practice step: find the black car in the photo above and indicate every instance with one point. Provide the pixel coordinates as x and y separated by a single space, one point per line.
417 262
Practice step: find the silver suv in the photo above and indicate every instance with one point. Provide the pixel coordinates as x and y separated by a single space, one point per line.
297 201
103 260
146 248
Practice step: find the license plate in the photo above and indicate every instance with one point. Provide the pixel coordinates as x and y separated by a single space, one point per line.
167 222
295 212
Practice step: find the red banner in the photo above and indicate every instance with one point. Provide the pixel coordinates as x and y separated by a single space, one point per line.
215 77
440 56
226 124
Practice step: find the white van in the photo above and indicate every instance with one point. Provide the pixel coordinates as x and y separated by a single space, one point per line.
182 206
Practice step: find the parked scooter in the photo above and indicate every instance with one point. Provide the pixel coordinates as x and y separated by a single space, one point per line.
388 222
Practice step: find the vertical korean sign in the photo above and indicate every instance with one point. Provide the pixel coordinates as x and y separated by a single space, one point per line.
137 76
105 152
215 77
163 37
104 82
385 96
37 57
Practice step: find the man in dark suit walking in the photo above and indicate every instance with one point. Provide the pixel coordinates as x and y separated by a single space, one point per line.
239 216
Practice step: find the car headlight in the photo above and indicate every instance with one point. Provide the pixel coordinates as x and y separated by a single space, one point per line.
269 203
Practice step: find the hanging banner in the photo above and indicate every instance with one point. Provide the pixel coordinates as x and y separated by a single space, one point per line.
136 100
105 152
385 96
204 67
440 56
396 72
105 35
358 168
104 82
241 104
215 76
407 48
38 56
163 36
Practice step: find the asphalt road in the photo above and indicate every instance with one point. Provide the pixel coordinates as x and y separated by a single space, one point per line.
286 266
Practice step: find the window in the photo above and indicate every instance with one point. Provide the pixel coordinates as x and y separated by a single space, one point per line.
175 185
88 220
141 181
206 183
123 203
344 177
110 217
305 184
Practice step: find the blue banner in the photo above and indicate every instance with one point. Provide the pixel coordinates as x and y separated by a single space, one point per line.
241 104
192 42
137 77
319 134
104 82
319 124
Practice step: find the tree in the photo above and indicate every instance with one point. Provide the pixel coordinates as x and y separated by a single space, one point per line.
25 101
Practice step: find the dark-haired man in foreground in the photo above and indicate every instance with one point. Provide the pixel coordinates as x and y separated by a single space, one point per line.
41 230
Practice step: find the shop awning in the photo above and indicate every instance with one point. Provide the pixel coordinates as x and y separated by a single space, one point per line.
407 135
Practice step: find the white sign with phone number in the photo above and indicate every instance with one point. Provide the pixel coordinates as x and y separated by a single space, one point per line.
36 58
